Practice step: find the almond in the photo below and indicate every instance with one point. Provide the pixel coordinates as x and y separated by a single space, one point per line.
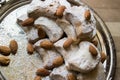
13 46
27 22
87 15
71 76
92 50
49 67
67 43
46 44
103 57
37 78
4 60
5 50
60 11
76 41
58 61
41 33
42 72
30 48
95 42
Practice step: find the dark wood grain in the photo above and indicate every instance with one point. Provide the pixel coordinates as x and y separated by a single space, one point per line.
109 10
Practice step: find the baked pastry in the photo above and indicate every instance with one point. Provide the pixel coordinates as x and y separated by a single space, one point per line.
83 60
97 74
22 18
83 21
45 8
66 53
31 30
67 28
61 73
53 31
51 58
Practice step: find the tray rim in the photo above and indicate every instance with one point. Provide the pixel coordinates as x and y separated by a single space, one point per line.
110 45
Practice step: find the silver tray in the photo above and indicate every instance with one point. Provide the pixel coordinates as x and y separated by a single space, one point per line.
104 37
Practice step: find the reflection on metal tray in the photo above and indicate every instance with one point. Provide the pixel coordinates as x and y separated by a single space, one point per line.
104 37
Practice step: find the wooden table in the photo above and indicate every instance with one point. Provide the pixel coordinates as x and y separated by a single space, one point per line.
109 11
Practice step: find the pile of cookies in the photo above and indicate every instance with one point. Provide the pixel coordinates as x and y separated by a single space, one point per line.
63 33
